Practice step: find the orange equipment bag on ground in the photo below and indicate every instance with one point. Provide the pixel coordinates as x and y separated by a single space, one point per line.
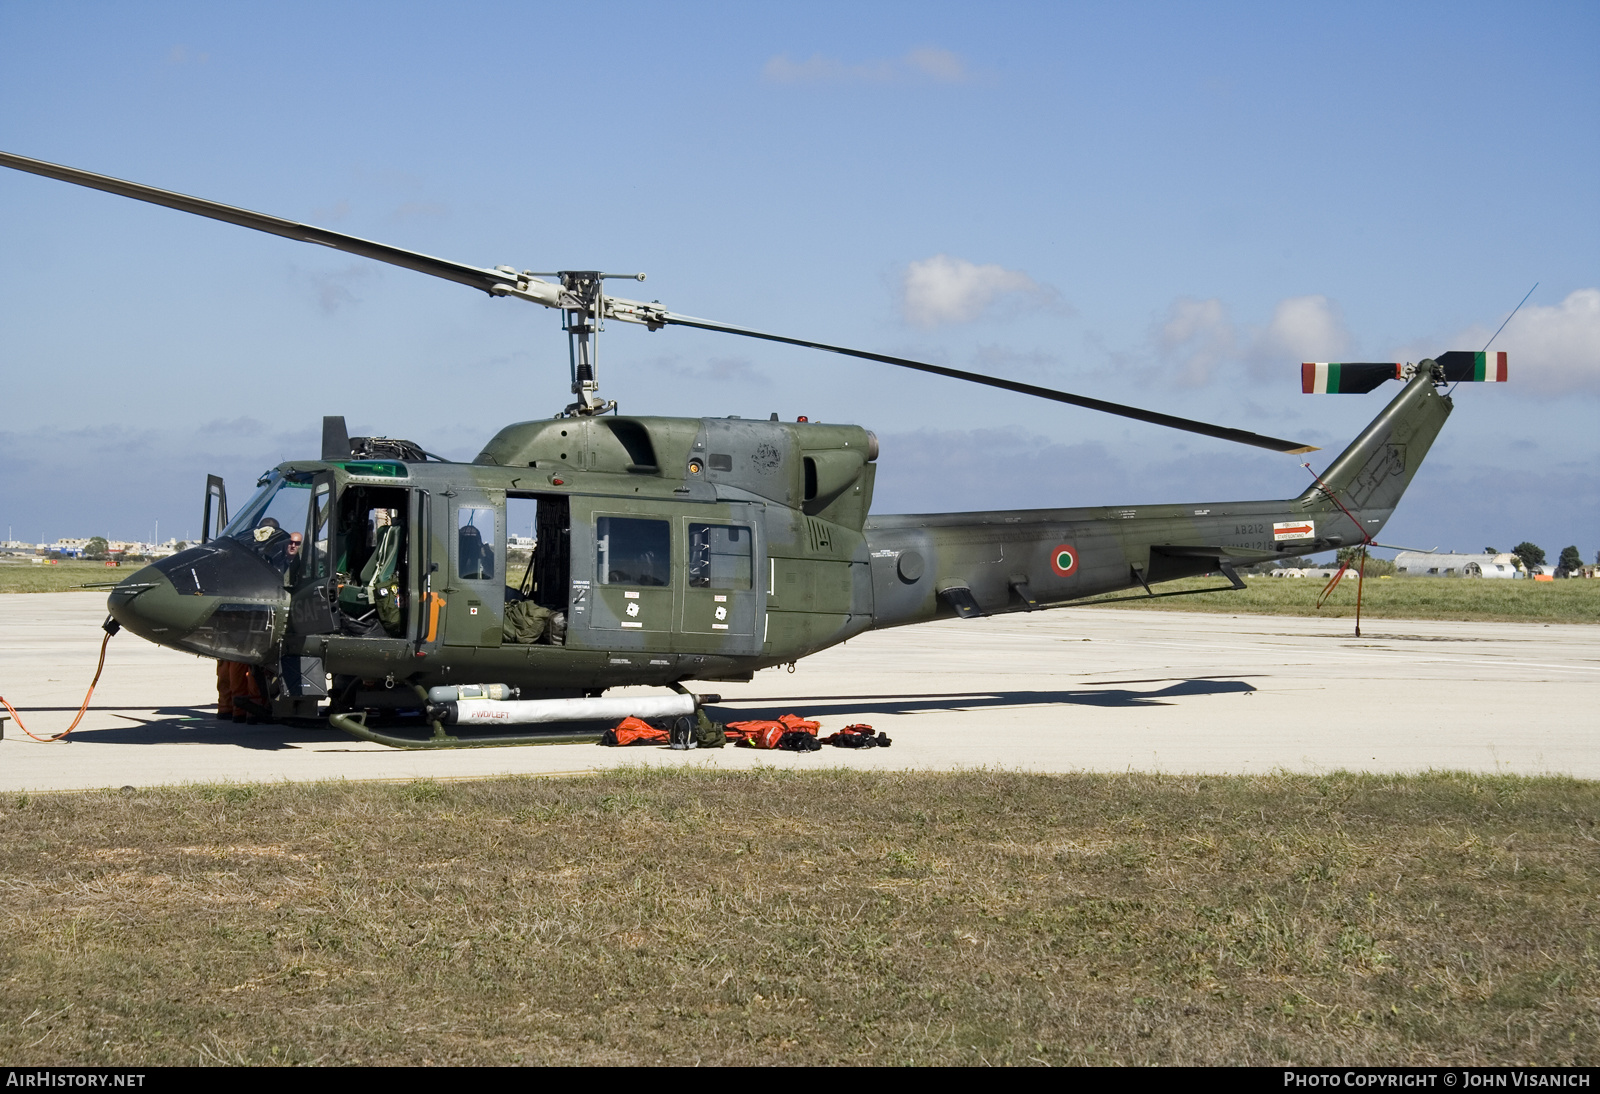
767 734
634 731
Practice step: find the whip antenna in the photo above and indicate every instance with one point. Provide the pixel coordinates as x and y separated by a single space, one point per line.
1502 327
1513 314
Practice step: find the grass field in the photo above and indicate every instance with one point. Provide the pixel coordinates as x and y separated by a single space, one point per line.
22 576
838 917
1574 601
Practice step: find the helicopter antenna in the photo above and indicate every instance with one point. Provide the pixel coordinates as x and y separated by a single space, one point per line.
1510 317
1500 328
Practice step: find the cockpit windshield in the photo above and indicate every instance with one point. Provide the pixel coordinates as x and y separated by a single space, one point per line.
272 524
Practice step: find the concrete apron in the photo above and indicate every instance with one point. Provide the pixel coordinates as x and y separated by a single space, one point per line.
1068 690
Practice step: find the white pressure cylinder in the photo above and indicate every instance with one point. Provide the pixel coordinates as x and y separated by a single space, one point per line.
599 708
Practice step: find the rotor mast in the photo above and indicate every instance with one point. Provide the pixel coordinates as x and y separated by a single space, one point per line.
584 308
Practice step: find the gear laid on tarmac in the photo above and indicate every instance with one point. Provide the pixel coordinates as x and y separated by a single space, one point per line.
858 736
786 733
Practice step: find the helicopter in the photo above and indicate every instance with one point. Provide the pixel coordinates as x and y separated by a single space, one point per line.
372 585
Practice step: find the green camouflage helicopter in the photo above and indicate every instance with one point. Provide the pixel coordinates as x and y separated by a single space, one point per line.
372 584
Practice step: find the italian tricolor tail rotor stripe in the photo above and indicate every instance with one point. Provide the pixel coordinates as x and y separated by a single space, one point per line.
1345 377
1466 366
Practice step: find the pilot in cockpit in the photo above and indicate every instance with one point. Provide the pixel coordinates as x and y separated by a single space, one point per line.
272 543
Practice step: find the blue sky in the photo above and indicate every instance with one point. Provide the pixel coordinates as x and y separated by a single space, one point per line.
1167 205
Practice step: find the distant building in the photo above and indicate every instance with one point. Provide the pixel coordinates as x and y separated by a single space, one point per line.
1324 573
1436 564
139 547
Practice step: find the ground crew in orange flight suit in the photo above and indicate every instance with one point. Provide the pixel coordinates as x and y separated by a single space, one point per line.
224 691
235 680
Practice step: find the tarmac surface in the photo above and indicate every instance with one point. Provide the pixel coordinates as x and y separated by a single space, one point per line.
1076 689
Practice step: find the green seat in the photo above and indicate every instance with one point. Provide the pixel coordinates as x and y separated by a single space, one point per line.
376 574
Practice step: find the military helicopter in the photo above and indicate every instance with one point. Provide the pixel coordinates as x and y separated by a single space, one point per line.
371 585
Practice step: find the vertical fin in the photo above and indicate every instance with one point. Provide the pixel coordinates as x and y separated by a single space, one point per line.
1377 467
335 438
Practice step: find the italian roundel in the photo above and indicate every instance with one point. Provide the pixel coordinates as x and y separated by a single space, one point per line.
1064 560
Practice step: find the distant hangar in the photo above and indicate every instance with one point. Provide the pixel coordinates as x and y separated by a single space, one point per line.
1428 564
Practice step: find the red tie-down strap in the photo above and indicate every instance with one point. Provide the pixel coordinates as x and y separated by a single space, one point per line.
1361 574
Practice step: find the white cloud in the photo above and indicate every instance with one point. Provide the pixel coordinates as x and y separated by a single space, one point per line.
1303 328
1005 361
1555 350
1199 336
937 64
943 289
180 55
334 288
720 370
922 65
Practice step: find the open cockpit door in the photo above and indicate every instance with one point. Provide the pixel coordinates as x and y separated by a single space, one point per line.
314 593
216 507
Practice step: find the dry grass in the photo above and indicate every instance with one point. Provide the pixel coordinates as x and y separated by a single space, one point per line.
18 575
761 917
1490 601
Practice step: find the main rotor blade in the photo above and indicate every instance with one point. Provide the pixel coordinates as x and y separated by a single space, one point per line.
1188 425
505 282
451 271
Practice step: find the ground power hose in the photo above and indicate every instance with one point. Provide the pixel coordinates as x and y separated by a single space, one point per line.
111 627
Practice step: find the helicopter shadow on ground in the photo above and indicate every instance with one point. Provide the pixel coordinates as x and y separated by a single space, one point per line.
199 726
944 702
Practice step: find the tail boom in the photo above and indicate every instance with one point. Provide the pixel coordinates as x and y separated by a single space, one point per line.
930 566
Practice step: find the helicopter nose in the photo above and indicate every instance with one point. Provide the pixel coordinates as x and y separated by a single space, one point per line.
217 599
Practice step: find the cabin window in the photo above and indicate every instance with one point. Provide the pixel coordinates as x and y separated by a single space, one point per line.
720 556
631 551
475 544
